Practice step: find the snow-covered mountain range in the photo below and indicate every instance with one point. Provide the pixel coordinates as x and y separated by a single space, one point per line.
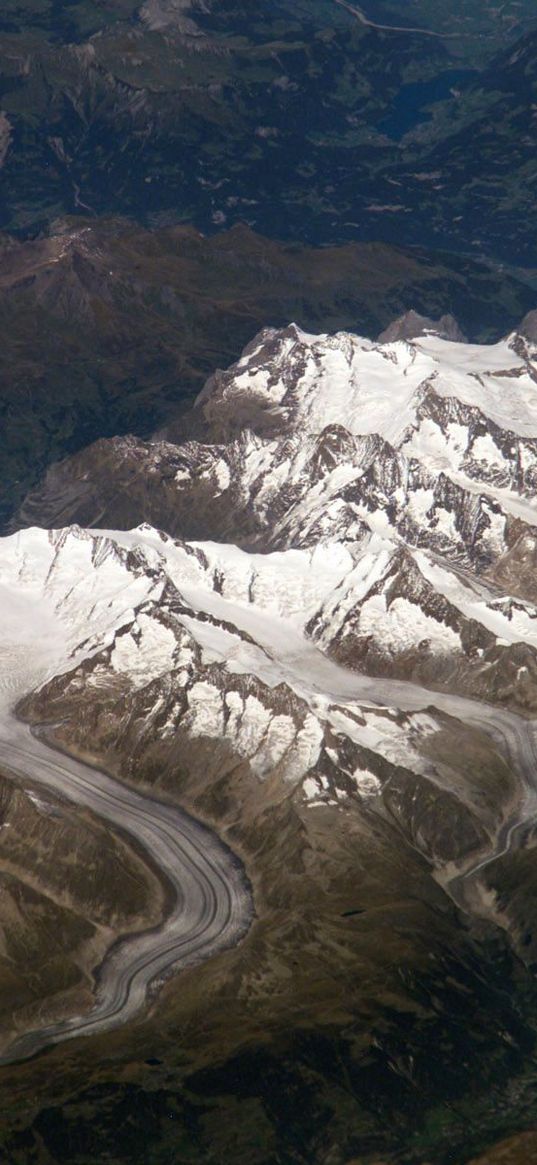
395 483
366 510
312 623
358 554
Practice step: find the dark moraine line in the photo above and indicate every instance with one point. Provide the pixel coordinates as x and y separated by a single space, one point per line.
212 907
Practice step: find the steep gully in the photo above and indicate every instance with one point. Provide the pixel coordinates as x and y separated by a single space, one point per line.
213 905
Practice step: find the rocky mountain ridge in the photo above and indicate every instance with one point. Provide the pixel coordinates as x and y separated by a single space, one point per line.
381 504
108 328
419 457
325 646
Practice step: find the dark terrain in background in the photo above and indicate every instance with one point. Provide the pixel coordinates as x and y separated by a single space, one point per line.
109 327
278 114
296 120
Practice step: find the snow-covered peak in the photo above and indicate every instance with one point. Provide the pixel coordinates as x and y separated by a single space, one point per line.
65 592
377 499
412 324
349 552
288 380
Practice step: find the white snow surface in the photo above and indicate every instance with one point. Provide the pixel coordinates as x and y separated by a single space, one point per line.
74 614
155 606
313 403
375 388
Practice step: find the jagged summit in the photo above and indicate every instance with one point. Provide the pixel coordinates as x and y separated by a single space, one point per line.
306 437
162 308
314 624
411 325
401 455
528 327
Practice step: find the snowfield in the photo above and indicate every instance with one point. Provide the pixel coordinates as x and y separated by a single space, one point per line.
380 504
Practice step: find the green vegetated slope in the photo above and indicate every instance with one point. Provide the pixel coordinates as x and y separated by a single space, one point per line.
63 19
472 170
260 117
279 115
